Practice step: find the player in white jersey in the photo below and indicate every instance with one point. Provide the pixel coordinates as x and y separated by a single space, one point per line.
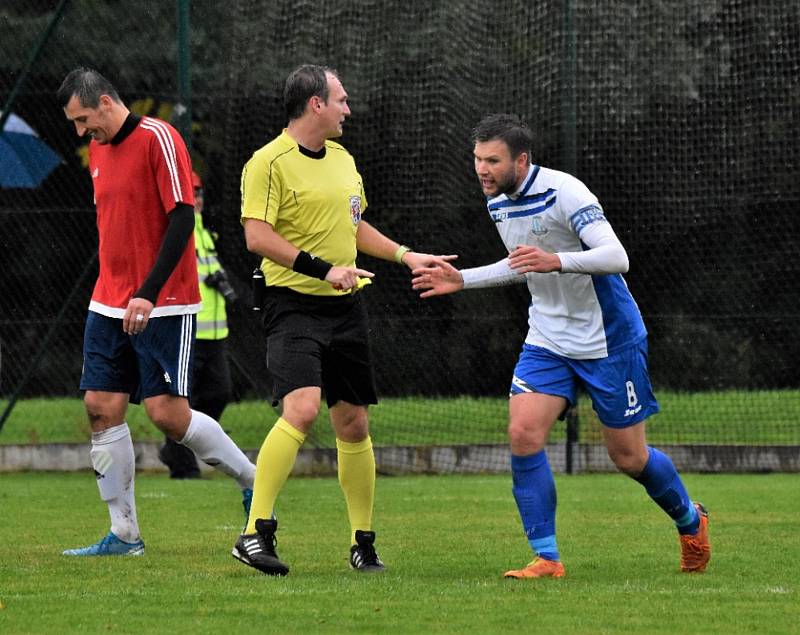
584 328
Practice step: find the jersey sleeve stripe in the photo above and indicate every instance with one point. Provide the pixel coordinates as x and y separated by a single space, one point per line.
168 149
169 156
169 145
586 216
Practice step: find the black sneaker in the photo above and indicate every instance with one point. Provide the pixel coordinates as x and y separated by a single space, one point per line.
258 550
363 556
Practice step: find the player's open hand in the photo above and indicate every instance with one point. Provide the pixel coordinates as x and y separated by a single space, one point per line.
526 258
346 278
440 279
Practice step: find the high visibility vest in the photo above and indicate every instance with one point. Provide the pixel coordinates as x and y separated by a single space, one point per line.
212 321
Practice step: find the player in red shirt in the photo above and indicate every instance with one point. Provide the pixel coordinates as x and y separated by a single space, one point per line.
139 336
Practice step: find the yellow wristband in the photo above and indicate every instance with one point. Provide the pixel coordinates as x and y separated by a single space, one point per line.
402 250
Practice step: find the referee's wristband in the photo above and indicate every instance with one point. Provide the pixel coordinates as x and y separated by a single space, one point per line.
311 266
402 250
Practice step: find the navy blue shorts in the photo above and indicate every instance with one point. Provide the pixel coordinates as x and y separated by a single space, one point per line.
157 361
619 385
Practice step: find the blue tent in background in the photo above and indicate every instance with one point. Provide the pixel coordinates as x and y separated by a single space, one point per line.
25 160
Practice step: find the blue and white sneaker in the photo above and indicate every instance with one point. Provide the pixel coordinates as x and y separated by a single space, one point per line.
110 545
247 501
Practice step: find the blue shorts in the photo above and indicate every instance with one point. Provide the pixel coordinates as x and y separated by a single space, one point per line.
619 385
157 361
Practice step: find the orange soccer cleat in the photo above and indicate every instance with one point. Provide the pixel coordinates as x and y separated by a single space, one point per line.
539 568
696 550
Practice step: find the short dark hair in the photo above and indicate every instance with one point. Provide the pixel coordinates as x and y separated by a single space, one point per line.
87 85
303 83
507 128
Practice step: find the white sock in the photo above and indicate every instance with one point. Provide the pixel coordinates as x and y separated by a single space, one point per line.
208 441
114 465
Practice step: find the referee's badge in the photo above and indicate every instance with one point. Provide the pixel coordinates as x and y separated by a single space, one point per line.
355 209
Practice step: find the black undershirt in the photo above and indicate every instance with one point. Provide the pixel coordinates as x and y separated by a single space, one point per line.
180 227
319 154
131 121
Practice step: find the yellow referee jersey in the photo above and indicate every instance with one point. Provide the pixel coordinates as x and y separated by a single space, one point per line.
315 204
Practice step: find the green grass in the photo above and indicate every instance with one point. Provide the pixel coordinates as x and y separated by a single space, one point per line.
754 417
445 539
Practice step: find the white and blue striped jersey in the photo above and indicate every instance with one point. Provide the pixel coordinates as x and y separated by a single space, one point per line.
578 315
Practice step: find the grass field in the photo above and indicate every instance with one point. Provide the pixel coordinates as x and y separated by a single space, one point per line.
445 539
755 417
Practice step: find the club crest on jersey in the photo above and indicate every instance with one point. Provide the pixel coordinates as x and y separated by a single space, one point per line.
537 227
355 209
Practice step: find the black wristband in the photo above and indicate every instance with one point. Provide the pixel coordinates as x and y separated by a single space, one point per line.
311 266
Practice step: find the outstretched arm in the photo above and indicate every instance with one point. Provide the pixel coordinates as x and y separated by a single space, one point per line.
443 279
373 243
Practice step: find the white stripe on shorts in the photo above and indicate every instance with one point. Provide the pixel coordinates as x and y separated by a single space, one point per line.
184 355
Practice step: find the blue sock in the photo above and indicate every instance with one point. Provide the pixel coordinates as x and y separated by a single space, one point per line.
535 492
665 487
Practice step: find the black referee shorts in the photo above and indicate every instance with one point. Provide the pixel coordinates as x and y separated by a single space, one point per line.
319 341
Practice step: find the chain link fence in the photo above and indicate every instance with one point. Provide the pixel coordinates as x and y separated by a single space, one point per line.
680 115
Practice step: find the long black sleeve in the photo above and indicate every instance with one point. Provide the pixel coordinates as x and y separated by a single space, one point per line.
180 227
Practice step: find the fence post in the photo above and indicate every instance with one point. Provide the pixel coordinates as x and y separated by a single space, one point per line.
573 436
569 164
184 63
568 91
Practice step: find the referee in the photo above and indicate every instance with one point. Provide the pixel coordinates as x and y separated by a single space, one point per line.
302 206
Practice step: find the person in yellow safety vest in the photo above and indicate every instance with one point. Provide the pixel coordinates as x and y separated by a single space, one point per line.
211 378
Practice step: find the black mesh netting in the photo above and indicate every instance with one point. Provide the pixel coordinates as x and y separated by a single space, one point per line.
680 115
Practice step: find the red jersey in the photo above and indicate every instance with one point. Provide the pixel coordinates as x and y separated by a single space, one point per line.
137 182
